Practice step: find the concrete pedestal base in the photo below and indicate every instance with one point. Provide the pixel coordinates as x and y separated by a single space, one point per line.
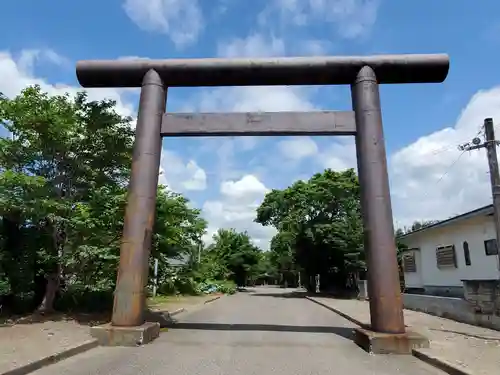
108 335
386 343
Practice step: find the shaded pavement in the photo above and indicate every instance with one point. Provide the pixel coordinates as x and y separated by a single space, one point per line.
267 331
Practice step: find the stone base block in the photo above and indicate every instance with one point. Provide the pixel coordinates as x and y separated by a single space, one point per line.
108 335
386 343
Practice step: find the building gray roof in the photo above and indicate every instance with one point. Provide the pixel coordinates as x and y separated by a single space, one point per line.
482 211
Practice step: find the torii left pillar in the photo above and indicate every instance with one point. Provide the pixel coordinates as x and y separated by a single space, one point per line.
128 326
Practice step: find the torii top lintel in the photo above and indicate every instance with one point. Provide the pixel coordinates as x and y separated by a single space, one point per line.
322 70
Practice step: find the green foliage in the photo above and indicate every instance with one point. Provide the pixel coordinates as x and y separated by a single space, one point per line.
319 228
417 225
232 256
221 286
63 178
225 286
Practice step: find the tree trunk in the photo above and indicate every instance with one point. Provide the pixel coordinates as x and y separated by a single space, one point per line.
53 278
51 290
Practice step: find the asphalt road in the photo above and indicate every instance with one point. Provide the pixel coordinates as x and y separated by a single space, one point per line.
267 331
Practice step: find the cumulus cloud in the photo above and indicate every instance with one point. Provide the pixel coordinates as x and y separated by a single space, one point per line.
298 148
181 20
254 45
17 73
339 155
179 175
236 209
350 18
432 180
249 187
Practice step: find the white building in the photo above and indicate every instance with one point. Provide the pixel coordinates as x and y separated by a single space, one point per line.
441 255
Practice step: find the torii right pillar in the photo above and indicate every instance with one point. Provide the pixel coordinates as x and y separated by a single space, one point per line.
387 333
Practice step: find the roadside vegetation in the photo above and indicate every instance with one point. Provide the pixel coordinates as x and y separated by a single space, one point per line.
63 178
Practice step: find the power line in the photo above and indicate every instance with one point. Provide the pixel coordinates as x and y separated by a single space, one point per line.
449 147
450 167
462 148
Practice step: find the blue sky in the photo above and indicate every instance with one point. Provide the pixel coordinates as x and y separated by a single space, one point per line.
227 177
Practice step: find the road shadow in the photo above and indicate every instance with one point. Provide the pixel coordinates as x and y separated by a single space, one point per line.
347 333
344 295
245 290
294 294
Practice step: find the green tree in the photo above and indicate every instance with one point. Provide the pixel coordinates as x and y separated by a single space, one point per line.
319 227
234 256
66 147
63 178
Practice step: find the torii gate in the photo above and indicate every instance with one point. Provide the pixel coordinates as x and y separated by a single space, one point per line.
364 73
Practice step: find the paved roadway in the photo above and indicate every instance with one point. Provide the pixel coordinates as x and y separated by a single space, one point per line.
263 332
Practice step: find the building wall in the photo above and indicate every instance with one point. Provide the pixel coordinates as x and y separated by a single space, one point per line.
449 281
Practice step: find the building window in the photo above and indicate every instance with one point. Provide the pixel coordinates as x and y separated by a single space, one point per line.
409 263
466 253
446 257
490 247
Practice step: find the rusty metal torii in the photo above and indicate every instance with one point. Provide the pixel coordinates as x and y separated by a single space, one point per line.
363 74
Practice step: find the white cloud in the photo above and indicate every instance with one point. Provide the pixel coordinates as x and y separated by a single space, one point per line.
18 73
351 18
315 47
255 45
197 177
181 20
298 148
430 181
248 186
28 58
236 209
338 156
180 176
259 98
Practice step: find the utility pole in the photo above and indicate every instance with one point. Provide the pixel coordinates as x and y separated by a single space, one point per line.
155 280
491 151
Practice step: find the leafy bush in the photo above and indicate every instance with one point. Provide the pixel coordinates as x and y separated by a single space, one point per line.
85 300
227 287
221 286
